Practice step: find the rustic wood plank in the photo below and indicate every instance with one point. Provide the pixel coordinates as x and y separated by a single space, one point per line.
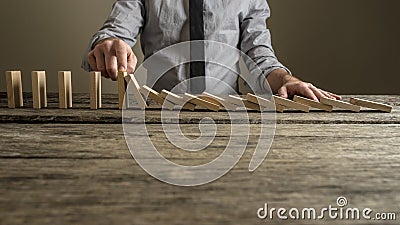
109 113
308 166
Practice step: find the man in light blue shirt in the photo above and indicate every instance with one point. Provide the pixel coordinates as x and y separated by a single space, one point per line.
163 23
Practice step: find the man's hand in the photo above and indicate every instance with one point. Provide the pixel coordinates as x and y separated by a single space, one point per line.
285 85
110 56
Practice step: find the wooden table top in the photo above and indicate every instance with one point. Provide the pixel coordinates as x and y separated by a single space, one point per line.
73 166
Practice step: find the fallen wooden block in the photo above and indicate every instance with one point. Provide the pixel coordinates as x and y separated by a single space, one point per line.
279 108
312 103
64 89
291 104
39 95
150 93
260 101
177 100
340 104
124 79
198 101
371 104
238 101
218 101
14 89
95 90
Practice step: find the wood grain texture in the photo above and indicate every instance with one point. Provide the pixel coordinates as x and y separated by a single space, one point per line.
109 113
84 174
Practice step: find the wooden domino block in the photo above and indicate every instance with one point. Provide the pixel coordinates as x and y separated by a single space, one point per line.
312 103
122 85
64 89
371 105
291 104
14 89
95 90
265 103
150 93
125 79
203 103
219 101
238 101
340 104
279 108
177 100
39 95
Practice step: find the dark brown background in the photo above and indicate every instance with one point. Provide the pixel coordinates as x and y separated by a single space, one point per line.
349 47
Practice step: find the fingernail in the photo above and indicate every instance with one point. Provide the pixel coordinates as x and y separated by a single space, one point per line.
122 69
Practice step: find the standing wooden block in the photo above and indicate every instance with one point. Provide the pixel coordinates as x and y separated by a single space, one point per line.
177 100
340 104
312 103
124 79
95 90
122 85
291 104
65 89
241 101
219 101
39 93
203 103
150 93
371 105
14 89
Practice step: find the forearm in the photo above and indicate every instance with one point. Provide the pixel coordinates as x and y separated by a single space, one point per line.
277 78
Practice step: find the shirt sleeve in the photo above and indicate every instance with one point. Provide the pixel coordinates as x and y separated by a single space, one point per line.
125 22
256 42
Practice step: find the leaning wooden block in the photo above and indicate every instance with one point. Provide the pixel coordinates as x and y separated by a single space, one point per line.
340 104
238 101
198 101
291 104
312 103
371 104
95 90
127 82
39 89
150 93
64 89
279 108
14 89
218 101
177 100
260 101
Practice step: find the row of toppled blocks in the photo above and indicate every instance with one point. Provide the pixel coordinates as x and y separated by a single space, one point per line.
169 100
232 103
